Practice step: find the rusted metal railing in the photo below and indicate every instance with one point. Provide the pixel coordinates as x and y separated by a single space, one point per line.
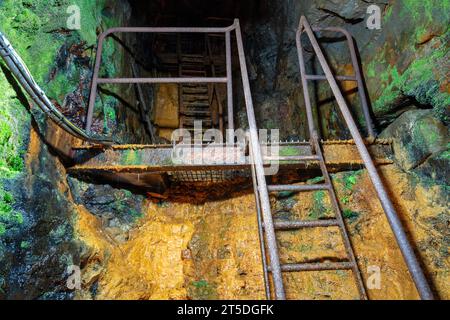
406 248
96 80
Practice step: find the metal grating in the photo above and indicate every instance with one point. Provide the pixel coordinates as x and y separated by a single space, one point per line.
214 176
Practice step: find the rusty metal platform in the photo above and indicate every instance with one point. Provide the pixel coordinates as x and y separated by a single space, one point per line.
152 167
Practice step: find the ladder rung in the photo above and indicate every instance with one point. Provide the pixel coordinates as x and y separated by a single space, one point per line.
196 104
195 91
291 158
298 267
322 77
196 113
292 225
305 187
195 99
189 72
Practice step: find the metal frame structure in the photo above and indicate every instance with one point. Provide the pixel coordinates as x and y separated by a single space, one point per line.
96 80
405 246
267 226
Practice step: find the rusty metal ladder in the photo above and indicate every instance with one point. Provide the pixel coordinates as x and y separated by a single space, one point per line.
267 227
338 221
194 97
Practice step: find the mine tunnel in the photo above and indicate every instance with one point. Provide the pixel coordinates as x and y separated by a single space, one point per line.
117 158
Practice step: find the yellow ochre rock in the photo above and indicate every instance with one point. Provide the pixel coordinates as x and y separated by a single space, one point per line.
210 250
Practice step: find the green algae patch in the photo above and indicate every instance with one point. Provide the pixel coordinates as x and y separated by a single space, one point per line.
289 151
350 215
38 31
320 209
9 218
415 73
202 290
14 123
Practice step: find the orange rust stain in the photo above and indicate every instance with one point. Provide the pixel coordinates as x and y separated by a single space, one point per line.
34 148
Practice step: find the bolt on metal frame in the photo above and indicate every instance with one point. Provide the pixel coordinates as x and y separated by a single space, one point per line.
405 246
96 80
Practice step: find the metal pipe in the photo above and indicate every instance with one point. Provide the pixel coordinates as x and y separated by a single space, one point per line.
294 225
407 250
260 230
358 75
23 76
323 77
229 82
159 80
257 154
298 188
299 267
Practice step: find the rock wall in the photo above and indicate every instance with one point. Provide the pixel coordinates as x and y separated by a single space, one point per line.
405 63
36 231
129 247
210 250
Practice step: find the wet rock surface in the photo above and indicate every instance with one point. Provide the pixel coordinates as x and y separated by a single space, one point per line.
420 145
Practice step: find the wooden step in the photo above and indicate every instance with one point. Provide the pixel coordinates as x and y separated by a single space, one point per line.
195 113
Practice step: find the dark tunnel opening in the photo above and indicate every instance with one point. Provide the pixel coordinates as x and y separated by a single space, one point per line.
195 13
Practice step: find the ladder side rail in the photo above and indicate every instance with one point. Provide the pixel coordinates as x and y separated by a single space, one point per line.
144 110
215 91
259 168
229 68
260 230
342 226
306 96
405 246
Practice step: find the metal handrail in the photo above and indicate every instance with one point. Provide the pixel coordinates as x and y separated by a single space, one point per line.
98 60
19 69
358 78
394 221
259 172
